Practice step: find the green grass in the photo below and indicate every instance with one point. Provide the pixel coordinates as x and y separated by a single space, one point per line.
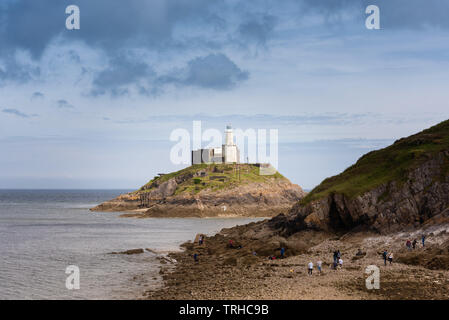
227 176
385 165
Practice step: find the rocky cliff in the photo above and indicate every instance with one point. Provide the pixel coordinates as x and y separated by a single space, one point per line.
399 187
210 191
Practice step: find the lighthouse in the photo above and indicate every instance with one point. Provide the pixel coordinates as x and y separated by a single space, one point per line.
231 153
229 136
228 153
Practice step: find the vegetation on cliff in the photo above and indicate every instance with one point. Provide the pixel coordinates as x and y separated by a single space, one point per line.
213 177
389 164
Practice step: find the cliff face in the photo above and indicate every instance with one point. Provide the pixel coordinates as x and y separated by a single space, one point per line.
408 184
210 191
389 207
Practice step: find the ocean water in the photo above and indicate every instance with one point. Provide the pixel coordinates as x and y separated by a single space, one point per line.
42 232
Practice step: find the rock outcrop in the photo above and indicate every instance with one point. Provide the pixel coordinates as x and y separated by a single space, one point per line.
408 186
389 207
210 191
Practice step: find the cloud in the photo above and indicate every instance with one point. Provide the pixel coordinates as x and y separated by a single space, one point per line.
37 95
62 103
13 71
126 74
257 30
214 71
32 25
123 71
18 113
166 24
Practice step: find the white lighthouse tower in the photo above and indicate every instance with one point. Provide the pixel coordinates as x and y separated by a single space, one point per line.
228 153
229 136
231 153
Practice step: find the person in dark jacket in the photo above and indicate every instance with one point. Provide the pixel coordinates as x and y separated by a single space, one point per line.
385 256
408 244
335 256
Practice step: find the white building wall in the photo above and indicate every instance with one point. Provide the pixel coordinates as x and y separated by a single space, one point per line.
231 154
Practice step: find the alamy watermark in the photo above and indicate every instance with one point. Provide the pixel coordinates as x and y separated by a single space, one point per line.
372 22
239 146
73 21
72 282
373 279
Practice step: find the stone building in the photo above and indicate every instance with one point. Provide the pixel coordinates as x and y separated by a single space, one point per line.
228 153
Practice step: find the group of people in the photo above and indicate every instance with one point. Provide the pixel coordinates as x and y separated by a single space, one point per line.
337 264
338 261
319 264
387 256
409 244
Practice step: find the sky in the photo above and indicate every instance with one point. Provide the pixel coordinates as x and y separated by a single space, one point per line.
94 108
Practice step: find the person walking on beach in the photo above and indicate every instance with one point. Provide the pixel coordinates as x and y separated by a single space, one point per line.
423 239
195 257
385 255
340 263
310 268
201 239
408 244
282 252
414 244
319 263
390 257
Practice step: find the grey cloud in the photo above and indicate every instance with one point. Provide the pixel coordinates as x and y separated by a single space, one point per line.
123 72
64 104
109 25
12 71
127 73
214 71
37 95
18 113
257 30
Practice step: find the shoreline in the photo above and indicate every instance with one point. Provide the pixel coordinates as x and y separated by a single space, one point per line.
223 273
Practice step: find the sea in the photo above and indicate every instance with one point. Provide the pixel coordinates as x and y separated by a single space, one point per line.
50 242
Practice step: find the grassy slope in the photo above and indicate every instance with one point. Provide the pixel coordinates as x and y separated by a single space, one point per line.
227 177
388 164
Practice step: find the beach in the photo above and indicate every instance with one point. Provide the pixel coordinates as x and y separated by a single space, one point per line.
229 273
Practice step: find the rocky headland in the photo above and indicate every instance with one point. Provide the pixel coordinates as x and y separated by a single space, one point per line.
214 190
